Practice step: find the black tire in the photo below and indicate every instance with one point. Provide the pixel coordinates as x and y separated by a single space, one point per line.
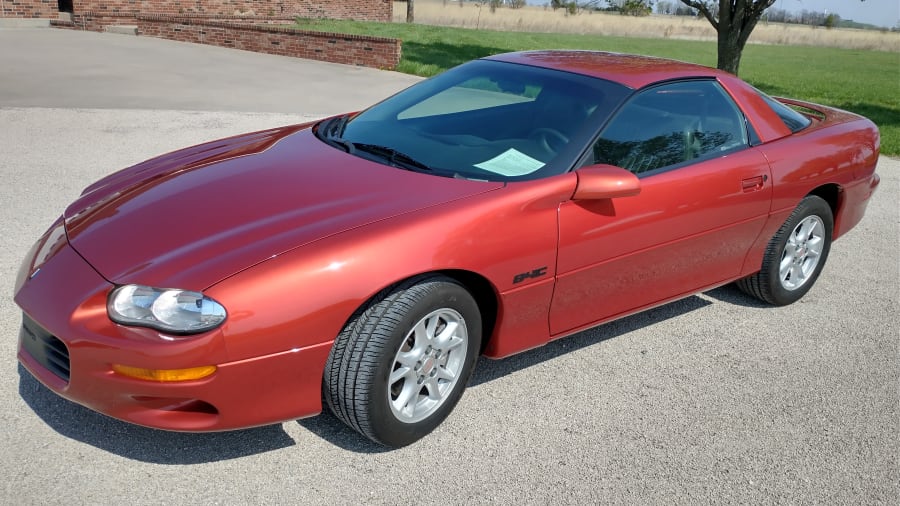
357 383
768 284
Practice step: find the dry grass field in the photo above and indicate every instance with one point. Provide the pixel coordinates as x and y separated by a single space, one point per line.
540 19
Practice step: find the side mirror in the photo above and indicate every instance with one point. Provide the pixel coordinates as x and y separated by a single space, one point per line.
605 182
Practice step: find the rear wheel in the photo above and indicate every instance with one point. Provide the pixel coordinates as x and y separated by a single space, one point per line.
402 362
795 256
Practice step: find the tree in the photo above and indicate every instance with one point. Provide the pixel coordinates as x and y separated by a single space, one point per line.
733 20
625 7
635 8
410 14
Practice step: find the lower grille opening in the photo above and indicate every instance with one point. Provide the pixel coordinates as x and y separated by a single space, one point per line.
44 348
177 405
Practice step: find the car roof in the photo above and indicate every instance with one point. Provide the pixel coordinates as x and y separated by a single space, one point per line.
634 71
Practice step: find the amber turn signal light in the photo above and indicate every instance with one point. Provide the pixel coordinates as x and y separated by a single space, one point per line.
165 375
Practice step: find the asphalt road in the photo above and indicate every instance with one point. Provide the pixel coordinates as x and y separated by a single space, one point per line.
713 399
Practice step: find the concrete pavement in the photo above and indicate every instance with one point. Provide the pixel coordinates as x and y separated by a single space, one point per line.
62 68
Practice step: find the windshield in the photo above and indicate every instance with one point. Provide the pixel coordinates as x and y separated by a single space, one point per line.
483 120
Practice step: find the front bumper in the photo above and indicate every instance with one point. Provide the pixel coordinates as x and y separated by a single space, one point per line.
69 344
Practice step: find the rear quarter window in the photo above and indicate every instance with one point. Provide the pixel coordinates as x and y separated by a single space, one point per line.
791 118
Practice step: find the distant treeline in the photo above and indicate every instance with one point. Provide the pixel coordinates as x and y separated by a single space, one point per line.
676 8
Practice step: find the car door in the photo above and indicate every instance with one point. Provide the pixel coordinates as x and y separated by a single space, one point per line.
705 194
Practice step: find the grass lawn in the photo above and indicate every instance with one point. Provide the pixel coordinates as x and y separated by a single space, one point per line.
865 82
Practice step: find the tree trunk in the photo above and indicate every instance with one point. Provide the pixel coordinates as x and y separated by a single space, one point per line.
410 16
735 27
734 20
730 51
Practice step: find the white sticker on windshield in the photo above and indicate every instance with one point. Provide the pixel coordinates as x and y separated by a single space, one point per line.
511 163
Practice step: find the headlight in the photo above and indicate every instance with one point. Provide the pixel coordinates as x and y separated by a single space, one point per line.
168 310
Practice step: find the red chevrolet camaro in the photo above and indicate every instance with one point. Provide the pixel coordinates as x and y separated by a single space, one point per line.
368 259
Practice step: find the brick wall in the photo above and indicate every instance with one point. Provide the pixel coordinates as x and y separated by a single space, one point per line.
29 9
251 34
94 22
368 10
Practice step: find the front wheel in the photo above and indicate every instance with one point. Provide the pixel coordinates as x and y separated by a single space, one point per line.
795 256
403 360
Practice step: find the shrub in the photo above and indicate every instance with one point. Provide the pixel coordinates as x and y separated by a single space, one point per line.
635 8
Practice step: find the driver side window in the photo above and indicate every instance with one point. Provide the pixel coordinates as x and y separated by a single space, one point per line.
671 124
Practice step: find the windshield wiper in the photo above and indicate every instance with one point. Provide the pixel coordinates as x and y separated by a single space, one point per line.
332 129
394 157
341 143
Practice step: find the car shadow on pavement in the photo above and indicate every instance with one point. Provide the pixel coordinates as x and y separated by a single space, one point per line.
140 443
163 447
732 295
329 428
489 370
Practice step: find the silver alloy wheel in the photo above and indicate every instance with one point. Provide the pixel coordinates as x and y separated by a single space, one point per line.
428 365
802 253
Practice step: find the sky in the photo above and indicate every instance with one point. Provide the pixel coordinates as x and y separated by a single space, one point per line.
877 12
884 13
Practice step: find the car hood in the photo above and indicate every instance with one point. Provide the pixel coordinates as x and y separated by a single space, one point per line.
191 218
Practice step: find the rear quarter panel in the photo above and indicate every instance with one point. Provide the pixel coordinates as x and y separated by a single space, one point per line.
839 151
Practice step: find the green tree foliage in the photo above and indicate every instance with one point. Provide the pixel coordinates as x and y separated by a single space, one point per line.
571 6
635 8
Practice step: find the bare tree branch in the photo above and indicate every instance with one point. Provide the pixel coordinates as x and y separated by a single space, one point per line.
704 9
759 6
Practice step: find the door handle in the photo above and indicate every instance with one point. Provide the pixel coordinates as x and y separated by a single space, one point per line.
752 184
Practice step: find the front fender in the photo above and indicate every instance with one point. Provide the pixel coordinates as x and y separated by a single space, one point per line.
305 297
